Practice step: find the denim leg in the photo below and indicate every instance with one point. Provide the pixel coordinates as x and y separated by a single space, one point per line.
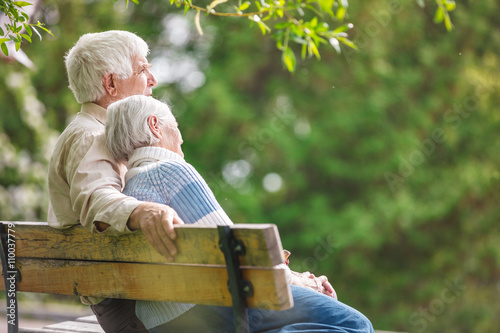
312 313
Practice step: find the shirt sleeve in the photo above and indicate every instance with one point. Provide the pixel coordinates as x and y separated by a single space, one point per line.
95 182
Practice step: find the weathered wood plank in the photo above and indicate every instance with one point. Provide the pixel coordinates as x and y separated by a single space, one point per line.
196 244
167 282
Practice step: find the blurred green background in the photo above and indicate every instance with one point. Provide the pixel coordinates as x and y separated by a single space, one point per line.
379 166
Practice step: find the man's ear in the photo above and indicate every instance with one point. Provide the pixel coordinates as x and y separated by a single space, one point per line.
109 84
154 126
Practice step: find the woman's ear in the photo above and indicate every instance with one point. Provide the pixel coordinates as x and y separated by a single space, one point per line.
109 85
154 126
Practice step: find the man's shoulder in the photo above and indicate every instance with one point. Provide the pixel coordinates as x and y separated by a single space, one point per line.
82 124
81 127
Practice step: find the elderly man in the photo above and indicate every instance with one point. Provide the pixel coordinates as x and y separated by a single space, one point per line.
85 181
143 132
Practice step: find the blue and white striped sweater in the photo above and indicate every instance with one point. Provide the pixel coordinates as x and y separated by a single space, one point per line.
159 175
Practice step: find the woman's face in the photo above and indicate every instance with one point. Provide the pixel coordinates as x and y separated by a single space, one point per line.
171 137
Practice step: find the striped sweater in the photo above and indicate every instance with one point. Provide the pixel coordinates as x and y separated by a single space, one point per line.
159 175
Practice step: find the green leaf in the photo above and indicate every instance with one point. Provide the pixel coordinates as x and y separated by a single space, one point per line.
341 13
304 51
47 30
5 50
447 22
314 22
263 27
244 6
326 6
347 42
281 25
1 32
18 46
313 49
450 6
3 40
28 38
279 44
28 29
438 18
343 28
288 58
21 3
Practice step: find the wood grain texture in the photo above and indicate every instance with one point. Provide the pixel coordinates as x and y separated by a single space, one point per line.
196 244
200 284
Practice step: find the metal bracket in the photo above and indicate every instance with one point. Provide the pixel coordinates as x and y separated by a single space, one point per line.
239 288
11 277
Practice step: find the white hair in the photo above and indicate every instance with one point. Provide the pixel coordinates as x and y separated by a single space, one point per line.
127 124
96 55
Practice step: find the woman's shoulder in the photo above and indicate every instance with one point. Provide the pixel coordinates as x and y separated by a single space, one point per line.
178 169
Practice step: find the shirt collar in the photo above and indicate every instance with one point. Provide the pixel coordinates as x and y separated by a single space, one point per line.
147 155
95 111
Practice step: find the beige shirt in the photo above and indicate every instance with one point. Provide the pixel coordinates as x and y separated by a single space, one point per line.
84 181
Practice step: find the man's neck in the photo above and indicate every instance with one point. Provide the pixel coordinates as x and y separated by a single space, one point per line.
105 101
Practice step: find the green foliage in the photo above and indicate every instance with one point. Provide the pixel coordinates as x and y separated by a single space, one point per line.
18 27
306 23
380 166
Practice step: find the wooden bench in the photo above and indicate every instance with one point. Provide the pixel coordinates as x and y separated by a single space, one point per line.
228 266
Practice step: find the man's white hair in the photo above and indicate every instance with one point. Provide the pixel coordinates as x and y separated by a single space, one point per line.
127 124
98 54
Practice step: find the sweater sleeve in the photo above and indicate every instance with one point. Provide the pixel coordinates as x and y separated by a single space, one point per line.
189 195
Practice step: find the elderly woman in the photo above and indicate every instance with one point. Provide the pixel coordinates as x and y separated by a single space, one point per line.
143 132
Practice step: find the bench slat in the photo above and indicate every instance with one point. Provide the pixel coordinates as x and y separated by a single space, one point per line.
167 282
195 244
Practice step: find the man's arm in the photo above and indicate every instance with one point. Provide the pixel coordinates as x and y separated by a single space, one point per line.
157 223
95 190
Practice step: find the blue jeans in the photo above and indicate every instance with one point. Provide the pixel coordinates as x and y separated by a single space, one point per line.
312 312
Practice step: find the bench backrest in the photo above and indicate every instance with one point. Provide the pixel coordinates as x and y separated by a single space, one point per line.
75 261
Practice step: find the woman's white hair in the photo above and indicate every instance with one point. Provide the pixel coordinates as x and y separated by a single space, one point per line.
98 54
127 124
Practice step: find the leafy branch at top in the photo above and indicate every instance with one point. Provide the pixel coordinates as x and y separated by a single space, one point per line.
305 23
18 27
295 23
302 23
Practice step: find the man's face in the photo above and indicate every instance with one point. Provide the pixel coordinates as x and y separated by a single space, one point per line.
140 83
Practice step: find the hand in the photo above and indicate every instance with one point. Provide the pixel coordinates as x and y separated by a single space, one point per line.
157 223
326 287
309 280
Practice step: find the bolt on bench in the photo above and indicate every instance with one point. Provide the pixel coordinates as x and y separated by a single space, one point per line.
226 265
